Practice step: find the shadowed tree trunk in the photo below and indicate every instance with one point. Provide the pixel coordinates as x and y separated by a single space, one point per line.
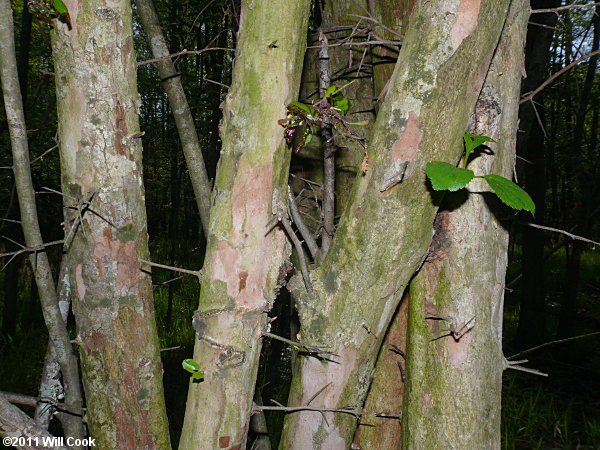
454 353
105 225
385 232
40 264
246 250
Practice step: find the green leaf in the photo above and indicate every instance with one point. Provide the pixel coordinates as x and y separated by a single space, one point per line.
472 142
60 7
362 123
340 102
190 365
331 90
510 193
445 176
301 107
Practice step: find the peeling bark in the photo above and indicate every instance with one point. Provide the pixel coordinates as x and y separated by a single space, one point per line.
454 352
383 236
105 225
244 252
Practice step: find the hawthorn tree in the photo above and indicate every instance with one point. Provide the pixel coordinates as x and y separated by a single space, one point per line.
458 70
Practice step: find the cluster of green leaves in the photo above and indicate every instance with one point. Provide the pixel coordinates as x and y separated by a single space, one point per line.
47 10
446 177
304 120
194 368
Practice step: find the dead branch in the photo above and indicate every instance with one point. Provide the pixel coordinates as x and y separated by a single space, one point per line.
552 343
354 411
310 241
555 75
564 8
196 273
283 219
515 366
19 399
183 52
310 348
566 233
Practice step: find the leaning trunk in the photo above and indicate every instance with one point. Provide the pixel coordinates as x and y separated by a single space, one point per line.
246 251
385 232
105 225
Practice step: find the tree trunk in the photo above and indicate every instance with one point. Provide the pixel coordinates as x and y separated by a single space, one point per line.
40 264
105 225
246 251
385 233
181 110
454 353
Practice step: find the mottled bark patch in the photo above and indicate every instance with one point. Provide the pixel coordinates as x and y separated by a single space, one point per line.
224 441
225 266
127 425
407 145
243 276
129 375
458 351
466 21
80 281
92 341
442 238
121 130
426 398
107 250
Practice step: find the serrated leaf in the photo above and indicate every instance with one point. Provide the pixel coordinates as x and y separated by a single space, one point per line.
190 365
60 7
445 176
510 193
472 142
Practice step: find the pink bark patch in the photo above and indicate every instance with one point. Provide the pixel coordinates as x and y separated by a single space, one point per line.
92 342
406 147
123 252
458 351
426 398
225 266
466 21
80 282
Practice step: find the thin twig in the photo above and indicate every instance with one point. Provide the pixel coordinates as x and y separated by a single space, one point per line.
360 44
310 348
552 343
196 273
555 75
379 24
310 241
515 366
566 233
564 8
281 217
354 411
182 52
170 348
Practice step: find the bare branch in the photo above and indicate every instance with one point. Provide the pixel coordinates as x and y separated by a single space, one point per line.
555 75
196 273
354 411
566 233
282 218
183 52
310 348
552 343
564 8
19 399
515 366
302 228
379 24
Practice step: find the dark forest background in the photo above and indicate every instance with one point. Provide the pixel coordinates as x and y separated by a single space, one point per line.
553 283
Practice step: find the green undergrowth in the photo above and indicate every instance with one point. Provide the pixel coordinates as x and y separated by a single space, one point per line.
545 418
